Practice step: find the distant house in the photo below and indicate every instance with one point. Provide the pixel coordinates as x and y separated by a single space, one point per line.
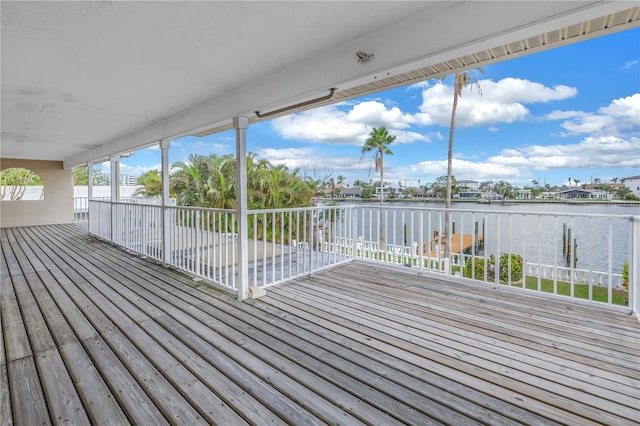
389 191
575 193
614 186
468 194
353 192
523 194
633 183
470 185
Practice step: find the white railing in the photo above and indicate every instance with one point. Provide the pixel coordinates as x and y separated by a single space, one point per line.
137 227
203 242
287 243
81 204
100 223
587 265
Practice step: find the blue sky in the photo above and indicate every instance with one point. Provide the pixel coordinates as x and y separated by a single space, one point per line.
572 111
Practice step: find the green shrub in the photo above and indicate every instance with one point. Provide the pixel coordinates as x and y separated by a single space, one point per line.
516 267
625 275
478 265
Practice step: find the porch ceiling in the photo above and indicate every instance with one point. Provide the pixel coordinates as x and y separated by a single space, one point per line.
83 80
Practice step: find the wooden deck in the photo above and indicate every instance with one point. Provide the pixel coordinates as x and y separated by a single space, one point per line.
92 334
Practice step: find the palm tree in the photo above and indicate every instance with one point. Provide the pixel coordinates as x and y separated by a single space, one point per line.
151 182
378 141
576 181
615 180
461 80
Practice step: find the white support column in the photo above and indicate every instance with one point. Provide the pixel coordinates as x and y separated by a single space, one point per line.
115 177
166 213
240 124
89 190
115 197
89 180
634 266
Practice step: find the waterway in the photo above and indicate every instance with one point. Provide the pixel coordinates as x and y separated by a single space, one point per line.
599 232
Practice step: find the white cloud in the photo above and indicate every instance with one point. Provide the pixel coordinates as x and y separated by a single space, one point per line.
602 151
513 163
493 102
621 115
326 124
464 169
375 114
333 125
137 170
626 109
515 90
309 158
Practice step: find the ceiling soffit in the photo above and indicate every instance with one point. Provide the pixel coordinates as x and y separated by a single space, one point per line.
619 21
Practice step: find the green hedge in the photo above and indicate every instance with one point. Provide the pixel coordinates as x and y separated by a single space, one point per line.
514 273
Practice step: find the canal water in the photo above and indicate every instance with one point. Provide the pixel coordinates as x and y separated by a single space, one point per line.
599 233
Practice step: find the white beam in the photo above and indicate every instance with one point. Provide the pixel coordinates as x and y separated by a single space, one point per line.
240 124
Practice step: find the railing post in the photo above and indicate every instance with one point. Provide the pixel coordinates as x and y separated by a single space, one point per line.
166 221
240 124
115 193
89 190
634 266
354 232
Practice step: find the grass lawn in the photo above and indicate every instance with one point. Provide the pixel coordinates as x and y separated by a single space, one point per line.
580 291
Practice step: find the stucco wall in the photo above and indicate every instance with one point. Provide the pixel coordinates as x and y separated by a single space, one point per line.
57 205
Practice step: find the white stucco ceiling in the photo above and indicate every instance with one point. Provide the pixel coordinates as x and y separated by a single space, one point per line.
83 80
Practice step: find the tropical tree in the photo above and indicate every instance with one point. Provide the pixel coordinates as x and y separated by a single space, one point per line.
210 181
81 176
439 186
504 188
14 182
577 181
615 180
625 193
461 80
151 182
378 142
486 186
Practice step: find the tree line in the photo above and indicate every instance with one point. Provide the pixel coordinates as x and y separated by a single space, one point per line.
210 181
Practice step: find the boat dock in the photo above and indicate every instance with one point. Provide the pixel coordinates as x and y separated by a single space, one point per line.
460 243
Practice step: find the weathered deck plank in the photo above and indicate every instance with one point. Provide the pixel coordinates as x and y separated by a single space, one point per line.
132 341
471 360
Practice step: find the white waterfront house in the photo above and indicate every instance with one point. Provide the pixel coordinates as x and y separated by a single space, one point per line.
469 185
593 194
633 183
